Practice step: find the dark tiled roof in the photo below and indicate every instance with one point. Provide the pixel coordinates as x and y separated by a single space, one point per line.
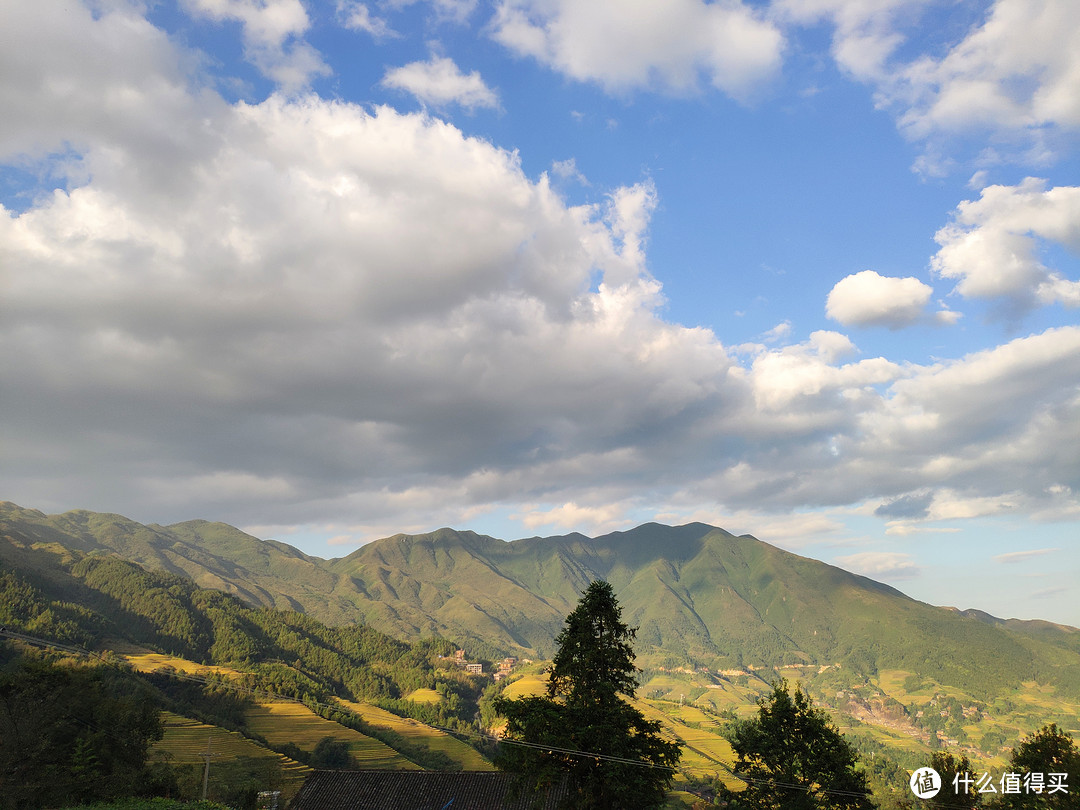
417 790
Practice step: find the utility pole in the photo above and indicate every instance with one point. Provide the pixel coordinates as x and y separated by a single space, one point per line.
206 755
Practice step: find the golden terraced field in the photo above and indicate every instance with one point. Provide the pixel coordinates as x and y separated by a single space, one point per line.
419 734
283 721
185 742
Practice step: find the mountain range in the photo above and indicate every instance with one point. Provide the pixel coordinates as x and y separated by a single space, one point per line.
699 596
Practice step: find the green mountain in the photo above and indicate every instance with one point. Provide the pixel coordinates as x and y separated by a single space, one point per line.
77 602
699 595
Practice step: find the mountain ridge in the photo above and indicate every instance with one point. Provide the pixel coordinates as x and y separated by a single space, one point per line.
699 595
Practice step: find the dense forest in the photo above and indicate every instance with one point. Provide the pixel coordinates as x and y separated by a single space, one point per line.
76 721
287 653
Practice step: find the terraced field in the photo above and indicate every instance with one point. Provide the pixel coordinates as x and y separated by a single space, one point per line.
527 685
424 696
417 733
283 721
148 662
717 696
186 741
705 753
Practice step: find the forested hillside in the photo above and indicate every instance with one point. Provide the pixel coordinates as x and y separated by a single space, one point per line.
101 600
700 596
719 618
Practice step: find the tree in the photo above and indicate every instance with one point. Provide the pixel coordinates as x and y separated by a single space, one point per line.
331 754
583 727
954 794
792 758
1048 751
71 734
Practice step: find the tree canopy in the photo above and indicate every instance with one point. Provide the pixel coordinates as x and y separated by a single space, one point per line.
73 733
792 758
1048 751
583 728
952 795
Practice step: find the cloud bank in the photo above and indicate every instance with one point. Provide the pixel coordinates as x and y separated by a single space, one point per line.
300 307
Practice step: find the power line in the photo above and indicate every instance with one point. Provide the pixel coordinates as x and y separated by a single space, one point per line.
339 707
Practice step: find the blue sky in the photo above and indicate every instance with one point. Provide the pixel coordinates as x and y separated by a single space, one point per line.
805 269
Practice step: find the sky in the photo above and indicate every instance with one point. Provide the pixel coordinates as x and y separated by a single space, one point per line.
329 271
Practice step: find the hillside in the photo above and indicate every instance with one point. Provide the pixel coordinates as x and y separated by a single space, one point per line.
700 596
719 615
80 596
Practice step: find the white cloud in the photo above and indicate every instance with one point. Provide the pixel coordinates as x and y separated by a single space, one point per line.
992 246
568 170
985 430
888 565
457 11
899 528
869 299
624 46
1014 557
995 79
789 379
1020 89
320 311
439 81
570 516
868 32
272 34
102 74
778 333
358 17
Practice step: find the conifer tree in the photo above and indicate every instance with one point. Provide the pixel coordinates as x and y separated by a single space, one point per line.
583 727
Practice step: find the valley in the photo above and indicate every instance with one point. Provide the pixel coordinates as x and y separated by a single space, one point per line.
267 652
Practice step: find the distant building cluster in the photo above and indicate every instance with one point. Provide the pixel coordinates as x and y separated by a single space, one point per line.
750 668
505 666
477 668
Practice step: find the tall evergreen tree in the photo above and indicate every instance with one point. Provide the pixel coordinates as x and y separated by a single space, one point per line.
583 727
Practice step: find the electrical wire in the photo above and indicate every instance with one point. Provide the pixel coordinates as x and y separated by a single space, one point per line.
338 707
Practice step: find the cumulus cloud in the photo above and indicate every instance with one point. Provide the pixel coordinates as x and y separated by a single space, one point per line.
273 37
867 32
102 74
439 82
992 246
1019 89
994 79
295 309
869 299
671 46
